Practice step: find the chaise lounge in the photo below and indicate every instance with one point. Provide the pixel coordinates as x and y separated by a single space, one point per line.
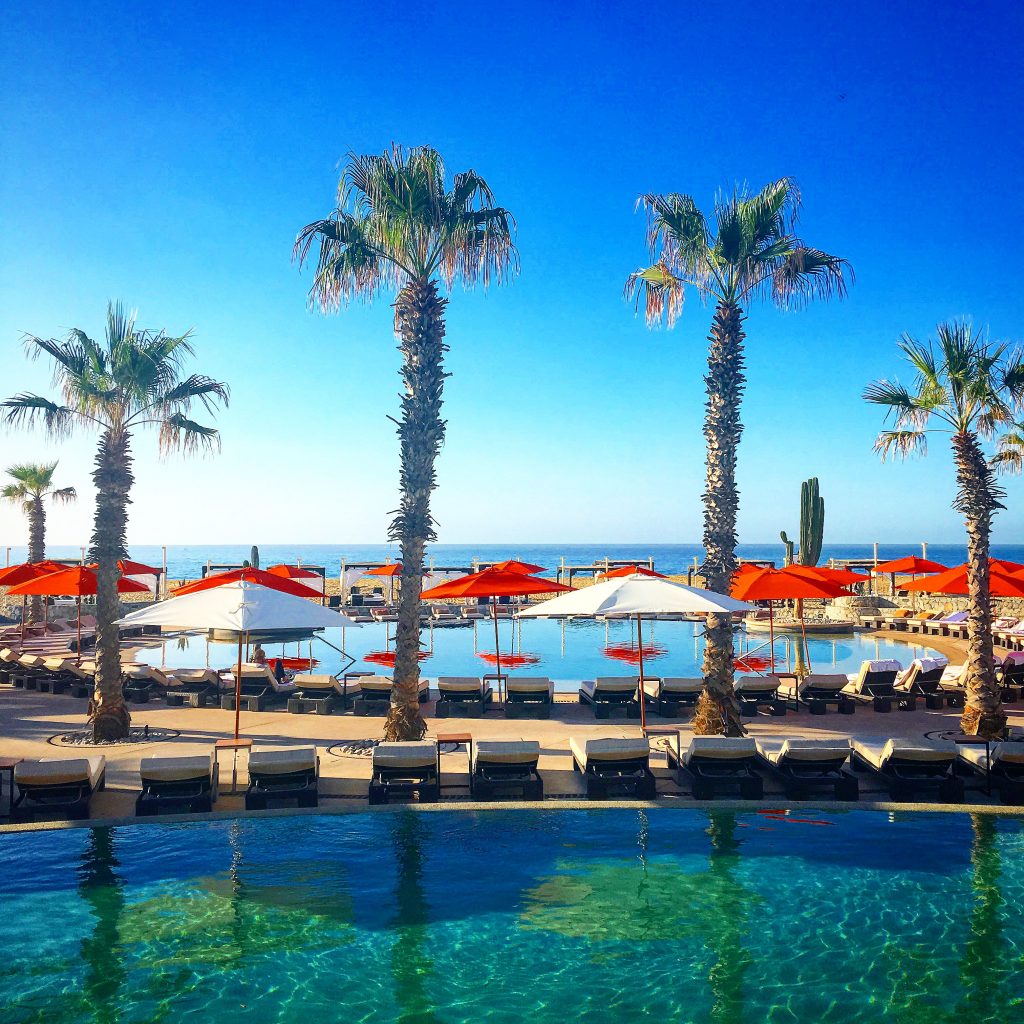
289 774
321 694
529 697
506 768
611 693
259 690
819 689
720 762
611 765
670 695
1003 767
374 696
876 681
912 767
924 679
803 766
142 682
755 692
194 687
405 770
176 785
58 786
459 696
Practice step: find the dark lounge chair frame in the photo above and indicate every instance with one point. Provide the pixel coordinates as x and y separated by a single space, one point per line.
929 685
712 775
405 783
489 781
528 703
71 799
818 699
194 695
909 778
632 777
883 694
456 703
671 705
750 701
318 700
301 786
800 777
189 796
604 702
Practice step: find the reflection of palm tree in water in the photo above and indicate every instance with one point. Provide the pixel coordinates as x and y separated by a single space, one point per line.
727 921
103 890
411 966
985 967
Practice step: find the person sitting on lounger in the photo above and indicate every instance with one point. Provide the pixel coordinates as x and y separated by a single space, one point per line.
259 656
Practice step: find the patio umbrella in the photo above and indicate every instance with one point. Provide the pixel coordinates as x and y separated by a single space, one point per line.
259 577
632 570
391 571
494 583
22 573
239 607
954 582
130 568
512 565
911 565
779 585
842 577
636 596
306 577
77 582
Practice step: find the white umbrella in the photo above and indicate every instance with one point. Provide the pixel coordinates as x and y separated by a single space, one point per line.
238 607
636 596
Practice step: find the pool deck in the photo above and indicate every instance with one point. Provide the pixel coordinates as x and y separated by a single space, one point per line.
29 719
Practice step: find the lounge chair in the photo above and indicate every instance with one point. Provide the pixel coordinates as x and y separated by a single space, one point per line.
529 697
1004 767
1011 675
505 768
259 689
954 685
289 774
819 689
195 687
374 697
894 619
916 623
176 785
876 681
321 694
64 675
405 770
30 668
924 679
472 613
8 664
608 693
753 692
58 786
720 762
912 767
670 695
462 695
942 627
142 682
621 766
805 765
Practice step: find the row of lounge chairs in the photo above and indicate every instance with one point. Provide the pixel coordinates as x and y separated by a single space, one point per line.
1007 630
715 766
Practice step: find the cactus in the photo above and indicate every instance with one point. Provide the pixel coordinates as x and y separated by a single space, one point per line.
812 522
789 547
254 557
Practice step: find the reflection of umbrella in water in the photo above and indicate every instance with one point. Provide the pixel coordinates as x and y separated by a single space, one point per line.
387 658
509 660
631 654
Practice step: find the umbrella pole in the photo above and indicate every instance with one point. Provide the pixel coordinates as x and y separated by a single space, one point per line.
497 645
24 608
803 633
78 601
771 633
640 651
238 684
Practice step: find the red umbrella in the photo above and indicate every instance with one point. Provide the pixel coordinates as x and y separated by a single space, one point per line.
264 579
777 585
912 565
632 570
526 568
22 573
841 577
293 572
391 569
130 568
954 581
494 583
77 582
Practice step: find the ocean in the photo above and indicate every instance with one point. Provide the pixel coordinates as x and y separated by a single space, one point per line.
186 561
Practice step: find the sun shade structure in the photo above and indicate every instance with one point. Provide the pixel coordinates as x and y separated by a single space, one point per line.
130 568
240 607
513 565
842 577
254 576
494 583
636 596
954 582
780 585
912 565
632 570
14 575
78 583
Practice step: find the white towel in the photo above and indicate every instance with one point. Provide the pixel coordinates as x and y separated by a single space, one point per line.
884 666
930 664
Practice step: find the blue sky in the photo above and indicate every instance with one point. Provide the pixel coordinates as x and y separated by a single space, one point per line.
168 155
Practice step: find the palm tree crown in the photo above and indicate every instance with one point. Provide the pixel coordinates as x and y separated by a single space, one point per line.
396 221
34 482
133 378
753 253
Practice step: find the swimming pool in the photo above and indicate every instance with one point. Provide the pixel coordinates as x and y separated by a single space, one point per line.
508 916
564 651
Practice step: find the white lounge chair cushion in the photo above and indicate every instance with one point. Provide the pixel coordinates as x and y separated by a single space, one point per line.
721 748
192 676
617 683
282 762
176 769
529 684
142 672
30 661
411 754
878 753
317 681
823 681
55 664
506 752
588 751
681 684
459 684
929 664
381 684
803 750
60 772
756 684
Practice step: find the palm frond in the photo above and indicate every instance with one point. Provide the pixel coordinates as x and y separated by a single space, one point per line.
804 274
196 387
1009 456
901 443
28 410
659 291
179 433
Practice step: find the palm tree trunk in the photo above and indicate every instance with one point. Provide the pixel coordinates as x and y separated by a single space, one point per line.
419 323
718 709
36 547
113 480
983 710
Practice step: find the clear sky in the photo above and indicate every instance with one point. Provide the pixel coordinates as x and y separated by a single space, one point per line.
167 155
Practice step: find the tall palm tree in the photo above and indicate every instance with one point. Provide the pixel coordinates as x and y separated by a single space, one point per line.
132 379
32 484
752 253
399 227
968 387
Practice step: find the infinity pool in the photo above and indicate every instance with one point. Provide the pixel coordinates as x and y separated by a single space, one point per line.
564 651
511 916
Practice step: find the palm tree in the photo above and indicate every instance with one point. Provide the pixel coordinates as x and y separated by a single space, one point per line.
968 387
132 379
754 253
398 227
32 484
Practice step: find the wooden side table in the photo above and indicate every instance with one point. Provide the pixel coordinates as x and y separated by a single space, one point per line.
667 730
501 679
456 737
8 764
234 746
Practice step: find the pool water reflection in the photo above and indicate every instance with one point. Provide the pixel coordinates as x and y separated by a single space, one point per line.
603 915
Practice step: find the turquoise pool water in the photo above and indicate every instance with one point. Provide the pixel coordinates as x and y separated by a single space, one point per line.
564 651
506 916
